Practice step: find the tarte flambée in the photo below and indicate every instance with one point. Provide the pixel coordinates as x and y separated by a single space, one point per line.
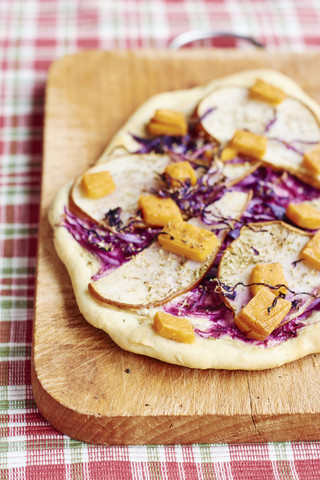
194 239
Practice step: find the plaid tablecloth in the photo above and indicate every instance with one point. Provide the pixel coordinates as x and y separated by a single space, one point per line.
33 33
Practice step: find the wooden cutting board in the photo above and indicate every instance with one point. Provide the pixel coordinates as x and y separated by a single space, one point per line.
86 386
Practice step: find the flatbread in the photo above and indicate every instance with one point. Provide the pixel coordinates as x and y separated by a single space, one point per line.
132 328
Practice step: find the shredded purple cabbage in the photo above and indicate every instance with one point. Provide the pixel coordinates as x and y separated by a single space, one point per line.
204 302
206 113
112 248
290 145
192 199
272 192
188 147
271 122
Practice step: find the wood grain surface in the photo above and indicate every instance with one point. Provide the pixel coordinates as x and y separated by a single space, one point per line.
86 386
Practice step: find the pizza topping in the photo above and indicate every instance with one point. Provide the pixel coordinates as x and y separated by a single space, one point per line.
228 153
110 247
311 252
167 122
249 144
174 328
234 110
198 151
191 147
304 214
223 215
158 211
268 273
98 184
266 92
272 191
311 160
192 199
188 240
262 314
180 172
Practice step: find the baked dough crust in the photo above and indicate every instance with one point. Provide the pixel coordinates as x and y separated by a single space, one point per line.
133 330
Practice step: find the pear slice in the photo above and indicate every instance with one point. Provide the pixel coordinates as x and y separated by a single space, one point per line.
133 175
228 109
154 276
263 243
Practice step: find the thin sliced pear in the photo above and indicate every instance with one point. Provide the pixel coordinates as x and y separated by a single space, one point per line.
133 175
272 242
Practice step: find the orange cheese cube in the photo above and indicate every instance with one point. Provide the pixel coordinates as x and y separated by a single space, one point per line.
266 92
174 328
262 315
188 240
167 122
270 273
228 153
98 184
304 214
157 129
169 117
249 144
158 211
311 160
311 252
181 171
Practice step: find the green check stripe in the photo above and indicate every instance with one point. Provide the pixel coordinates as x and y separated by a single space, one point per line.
37 444
18 230
24 405
154 462
22 191
19 271
75 449
17 163
153 454
20 135
9 303
15 351
75 444
283 463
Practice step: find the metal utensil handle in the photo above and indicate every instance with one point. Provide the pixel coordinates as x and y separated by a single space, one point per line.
194 35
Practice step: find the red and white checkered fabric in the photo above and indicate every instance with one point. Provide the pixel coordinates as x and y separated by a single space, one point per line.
33 33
